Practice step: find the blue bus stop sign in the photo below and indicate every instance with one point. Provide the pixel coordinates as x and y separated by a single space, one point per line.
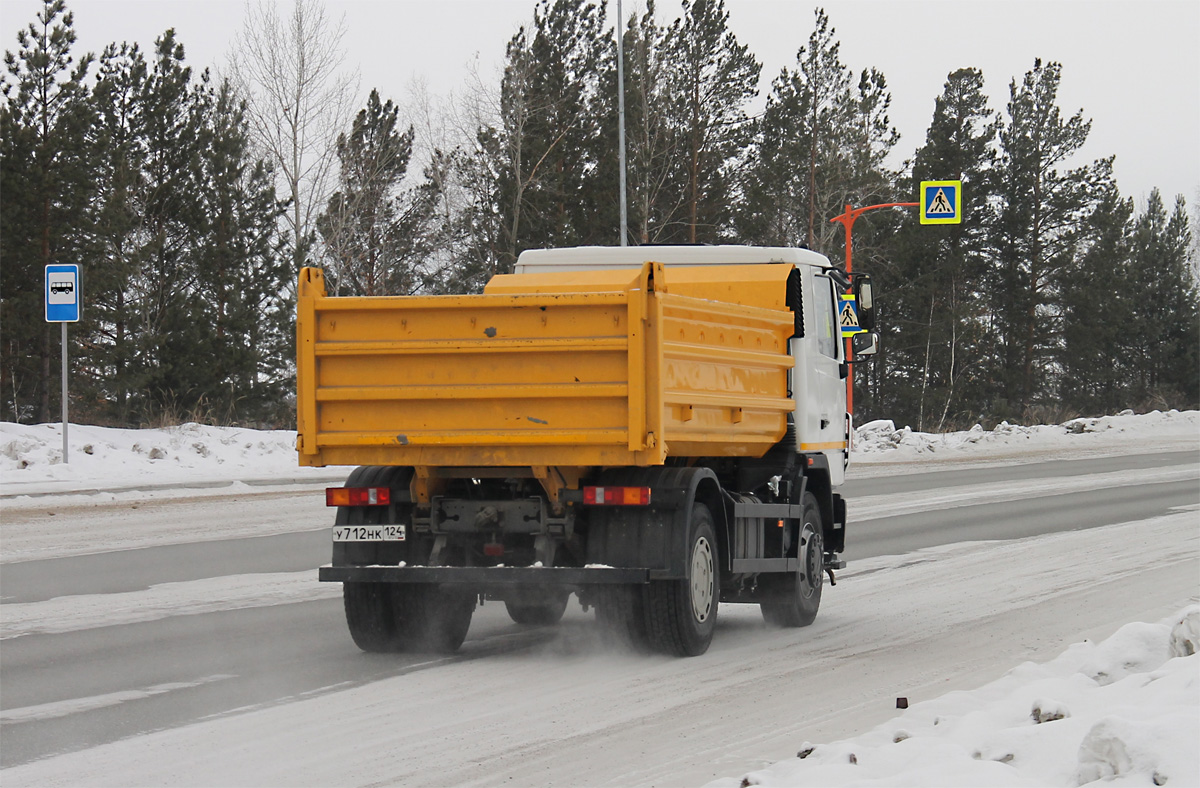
63 293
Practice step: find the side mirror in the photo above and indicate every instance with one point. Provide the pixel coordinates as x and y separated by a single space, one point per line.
864 297
865 345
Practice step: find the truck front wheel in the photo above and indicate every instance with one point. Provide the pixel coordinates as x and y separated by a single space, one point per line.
681 615
792 600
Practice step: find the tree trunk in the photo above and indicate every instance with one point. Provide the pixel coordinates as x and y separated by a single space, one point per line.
925 373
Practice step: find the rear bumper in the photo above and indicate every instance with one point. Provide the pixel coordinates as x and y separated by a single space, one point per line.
484 577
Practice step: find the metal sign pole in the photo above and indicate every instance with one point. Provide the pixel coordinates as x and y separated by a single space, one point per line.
66 459
63 297
621 121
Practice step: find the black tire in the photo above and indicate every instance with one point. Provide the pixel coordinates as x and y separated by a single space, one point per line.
366 553
370 609
793 600
371 617
620 611
542 613
432 618
390 617
681 615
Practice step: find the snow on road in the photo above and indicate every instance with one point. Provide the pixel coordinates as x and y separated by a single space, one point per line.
574 712
193 597
1131 710
57 526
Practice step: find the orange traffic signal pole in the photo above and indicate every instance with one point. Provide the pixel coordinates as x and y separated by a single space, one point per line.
847 221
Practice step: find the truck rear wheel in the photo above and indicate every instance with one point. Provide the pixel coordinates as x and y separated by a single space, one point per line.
371 617
792 601
433 618
620 610
538 612
370 607
681 615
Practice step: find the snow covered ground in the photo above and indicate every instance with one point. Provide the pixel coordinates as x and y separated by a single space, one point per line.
105 459
203 457
1125 711
879 442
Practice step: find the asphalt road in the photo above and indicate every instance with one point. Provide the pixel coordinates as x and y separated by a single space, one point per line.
77 689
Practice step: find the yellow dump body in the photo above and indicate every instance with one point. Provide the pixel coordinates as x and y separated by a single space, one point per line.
594 368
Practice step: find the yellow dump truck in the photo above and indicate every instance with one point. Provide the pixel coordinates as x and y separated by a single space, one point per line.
654 429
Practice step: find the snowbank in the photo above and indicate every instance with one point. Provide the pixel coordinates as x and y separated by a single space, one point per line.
881 442
1122 712
102 458
31 460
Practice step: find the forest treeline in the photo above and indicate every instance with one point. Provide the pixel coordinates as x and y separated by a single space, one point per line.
190 202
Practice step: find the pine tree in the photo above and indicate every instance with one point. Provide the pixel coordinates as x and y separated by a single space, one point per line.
43 127
654 140
116 241
712 77
243 272
1035 236
1098 358
549 130
189 317
361 226
827 85
1165 322
932 278
577 53
478 224
774 206
819 145
173 346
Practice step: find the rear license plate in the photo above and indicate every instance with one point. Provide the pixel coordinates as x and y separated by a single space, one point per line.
368 533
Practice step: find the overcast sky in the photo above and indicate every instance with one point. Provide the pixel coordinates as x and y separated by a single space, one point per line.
1132 66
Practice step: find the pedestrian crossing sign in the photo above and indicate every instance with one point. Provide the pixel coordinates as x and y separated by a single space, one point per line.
848 317
941 202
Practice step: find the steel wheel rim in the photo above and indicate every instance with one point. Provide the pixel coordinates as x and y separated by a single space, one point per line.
702 580
810 563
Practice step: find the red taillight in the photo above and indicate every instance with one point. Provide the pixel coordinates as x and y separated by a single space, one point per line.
357 496
616 496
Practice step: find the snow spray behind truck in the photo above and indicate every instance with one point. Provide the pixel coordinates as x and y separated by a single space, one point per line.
655 429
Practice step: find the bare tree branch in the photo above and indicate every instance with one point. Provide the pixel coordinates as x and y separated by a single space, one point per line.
300 99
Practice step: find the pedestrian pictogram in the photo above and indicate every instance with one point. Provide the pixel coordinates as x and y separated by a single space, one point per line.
941 202
848 317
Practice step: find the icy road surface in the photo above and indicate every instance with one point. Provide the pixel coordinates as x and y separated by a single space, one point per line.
202 661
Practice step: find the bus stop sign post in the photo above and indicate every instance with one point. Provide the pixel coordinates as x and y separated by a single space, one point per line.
62 306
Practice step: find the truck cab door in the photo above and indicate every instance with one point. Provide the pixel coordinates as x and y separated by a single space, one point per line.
820 389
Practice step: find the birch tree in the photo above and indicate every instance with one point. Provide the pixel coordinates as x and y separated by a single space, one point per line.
300 98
